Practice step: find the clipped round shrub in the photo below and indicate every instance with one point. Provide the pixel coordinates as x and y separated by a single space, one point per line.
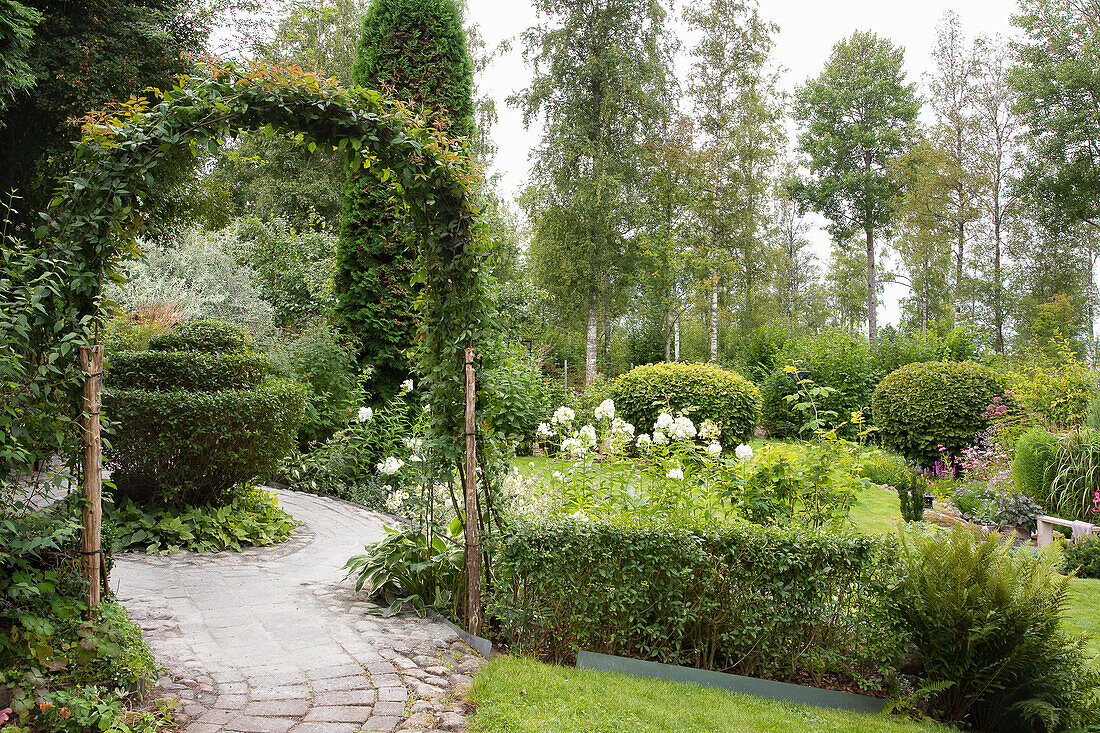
187 448
186 370
920 407
1034 464
701 390
204 335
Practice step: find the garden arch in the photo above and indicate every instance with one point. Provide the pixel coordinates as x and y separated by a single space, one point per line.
126 148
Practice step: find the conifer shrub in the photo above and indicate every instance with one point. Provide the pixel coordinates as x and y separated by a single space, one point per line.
1034 464
700 390
416 51
922 407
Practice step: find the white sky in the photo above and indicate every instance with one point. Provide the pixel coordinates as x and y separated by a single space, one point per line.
808 30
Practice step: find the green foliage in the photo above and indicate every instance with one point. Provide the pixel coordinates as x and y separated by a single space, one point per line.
17 22
921 407
835 360
911 491
252 518
1057 388
320 357
1083 557
1033 464
191 448
194 371
422 568
1076 475
703 391
209 336
84 56
416 49
988 623
762 350
514 401
772 601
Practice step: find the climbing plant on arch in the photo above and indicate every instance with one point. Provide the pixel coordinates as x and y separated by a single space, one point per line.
98 209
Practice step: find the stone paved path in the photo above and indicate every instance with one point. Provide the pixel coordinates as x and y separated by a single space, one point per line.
271 641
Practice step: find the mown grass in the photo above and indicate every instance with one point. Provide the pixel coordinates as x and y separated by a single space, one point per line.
519 695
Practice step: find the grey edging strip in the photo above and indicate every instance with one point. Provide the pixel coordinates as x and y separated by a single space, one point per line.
482 646
768 689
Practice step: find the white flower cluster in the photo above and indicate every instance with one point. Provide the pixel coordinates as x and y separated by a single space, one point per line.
416 447
676 474
572 445
709 430
714 448
659 438
407 386
588 435
682 428
620 427
390 466
365 414
395 502
743 452
544 430
664 422
644 441
606 410
563 416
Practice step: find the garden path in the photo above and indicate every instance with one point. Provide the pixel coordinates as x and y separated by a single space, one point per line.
271 640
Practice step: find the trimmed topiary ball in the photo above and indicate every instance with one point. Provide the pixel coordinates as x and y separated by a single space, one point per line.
204 335
192 425
920 407
700 390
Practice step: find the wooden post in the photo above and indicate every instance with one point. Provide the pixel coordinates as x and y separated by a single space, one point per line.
473 542
91 361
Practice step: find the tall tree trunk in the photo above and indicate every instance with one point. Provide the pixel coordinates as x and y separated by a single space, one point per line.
668 335
676 342
714 319
592 342
872 299
961 234
998 290
607 329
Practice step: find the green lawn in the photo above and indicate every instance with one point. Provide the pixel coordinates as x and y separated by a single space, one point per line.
518 695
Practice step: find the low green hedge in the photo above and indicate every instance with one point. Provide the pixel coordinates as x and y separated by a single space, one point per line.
192 448
923 406
707 390
204 335
764 601
186 370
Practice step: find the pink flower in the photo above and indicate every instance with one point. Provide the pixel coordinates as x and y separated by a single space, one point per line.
4 714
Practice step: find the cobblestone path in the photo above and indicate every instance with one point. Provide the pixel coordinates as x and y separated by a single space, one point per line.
271 641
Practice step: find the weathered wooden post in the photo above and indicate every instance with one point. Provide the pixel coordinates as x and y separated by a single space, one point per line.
473 542
91 361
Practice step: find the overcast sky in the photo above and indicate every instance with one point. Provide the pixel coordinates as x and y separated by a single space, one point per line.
807 31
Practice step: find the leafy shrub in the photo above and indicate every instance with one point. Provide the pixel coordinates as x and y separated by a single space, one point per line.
988 623
835 360
1075 475
1057 389
321 358
754 600
253 518
201 277
985 504
186 370
703 390
893 350
204 335
194 448
1033 463
1083 556
413 566
921 407
761 350
885 469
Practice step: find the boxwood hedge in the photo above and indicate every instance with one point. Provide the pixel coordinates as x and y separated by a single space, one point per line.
186 370
920 407
190 448
204 335
764 601
702 390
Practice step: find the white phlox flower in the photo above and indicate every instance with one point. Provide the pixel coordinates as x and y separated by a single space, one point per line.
644 441
413 444
365 414
588 435
743 452
563 415
659 438
714 449
544 430
709 430
676 474
622 427
407 386
390 466
664 422
571 445
606 410
682 428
